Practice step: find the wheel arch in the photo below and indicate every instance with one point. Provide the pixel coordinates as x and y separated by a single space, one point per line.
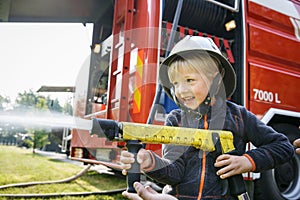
277 183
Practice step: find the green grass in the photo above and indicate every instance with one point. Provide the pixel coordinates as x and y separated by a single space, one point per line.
21 165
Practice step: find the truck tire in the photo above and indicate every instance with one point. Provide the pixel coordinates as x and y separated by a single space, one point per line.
283 182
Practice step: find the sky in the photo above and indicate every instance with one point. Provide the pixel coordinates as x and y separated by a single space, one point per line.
33 54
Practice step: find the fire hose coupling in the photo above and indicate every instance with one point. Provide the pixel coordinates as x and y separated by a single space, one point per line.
106 128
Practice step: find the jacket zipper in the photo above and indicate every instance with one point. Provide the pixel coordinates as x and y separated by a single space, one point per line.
201 185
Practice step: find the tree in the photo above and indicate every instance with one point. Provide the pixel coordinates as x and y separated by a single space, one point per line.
68 109
4 101
53 105
7 132
26 100
30 101
33 104
39 138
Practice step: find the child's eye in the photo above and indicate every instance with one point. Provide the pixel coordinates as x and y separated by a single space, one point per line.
189 80
175 83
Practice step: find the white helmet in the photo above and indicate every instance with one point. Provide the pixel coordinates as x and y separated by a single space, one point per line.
197 44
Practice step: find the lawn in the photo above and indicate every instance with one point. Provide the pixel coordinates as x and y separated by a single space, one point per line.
19 165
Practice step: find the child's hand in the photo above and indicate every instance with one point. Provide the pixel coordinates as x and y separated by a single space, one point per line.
232 165
144 158
296 143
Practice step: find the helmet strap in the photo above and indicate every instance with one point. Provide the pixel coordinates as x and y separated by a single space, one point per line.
215 86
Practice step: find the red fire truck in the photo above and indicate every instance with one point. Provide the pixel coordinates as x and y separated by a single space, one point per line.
261 39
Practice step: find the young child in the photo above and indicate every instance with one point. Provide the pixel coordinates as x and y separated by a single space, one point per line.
200 80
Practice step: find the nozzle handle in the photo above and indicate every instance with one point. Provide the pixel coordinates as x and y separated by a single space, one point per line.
236 183
133 174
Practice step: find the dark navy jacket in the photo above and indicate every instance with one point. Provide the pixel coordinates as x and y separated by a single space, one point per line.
183 168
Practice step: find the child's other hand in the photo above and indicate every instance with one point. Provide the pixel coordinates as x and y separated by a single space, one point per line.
126 160
296 143
232 165
144 158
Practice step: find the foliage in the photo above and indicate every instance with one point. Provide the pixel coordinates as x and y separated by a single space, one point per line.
26 100
30 100
53 105
39 137
29 103
68 109
4 101
27 142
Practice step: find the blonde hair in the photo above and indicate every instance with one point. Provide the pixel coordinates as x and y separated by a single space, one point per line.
199 62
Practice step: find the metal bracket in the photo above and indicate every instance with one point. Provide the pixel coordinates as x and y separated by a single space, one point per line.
233 9
296 24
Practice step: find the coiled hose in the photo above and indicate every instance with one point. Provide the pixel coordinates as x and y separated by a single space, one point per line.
201 15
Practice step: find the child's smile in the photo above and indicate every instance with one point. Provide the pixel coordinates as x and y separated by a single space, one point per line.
190 88
189 102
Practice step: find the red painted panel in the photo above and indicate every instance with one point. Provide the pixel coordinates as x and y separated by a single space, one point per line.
271 87
273 61
270 18
146 36
276 45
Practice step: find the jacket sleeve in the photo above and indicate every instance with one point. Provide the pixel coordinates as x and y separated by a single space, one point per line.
272 148
170 168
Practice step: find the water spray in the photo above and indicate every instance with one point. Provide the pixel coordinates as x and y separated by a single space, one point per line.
47 121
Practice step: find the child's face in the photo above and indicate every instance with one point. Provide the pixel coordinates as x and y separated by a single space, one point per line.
190 88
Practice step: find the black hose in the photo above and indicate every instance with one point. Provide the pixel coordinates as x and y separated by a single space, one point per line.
67 180
106 192
200 15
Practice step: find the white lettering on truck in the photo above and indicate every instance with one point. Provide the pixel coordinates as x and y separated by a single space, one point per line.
266 96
